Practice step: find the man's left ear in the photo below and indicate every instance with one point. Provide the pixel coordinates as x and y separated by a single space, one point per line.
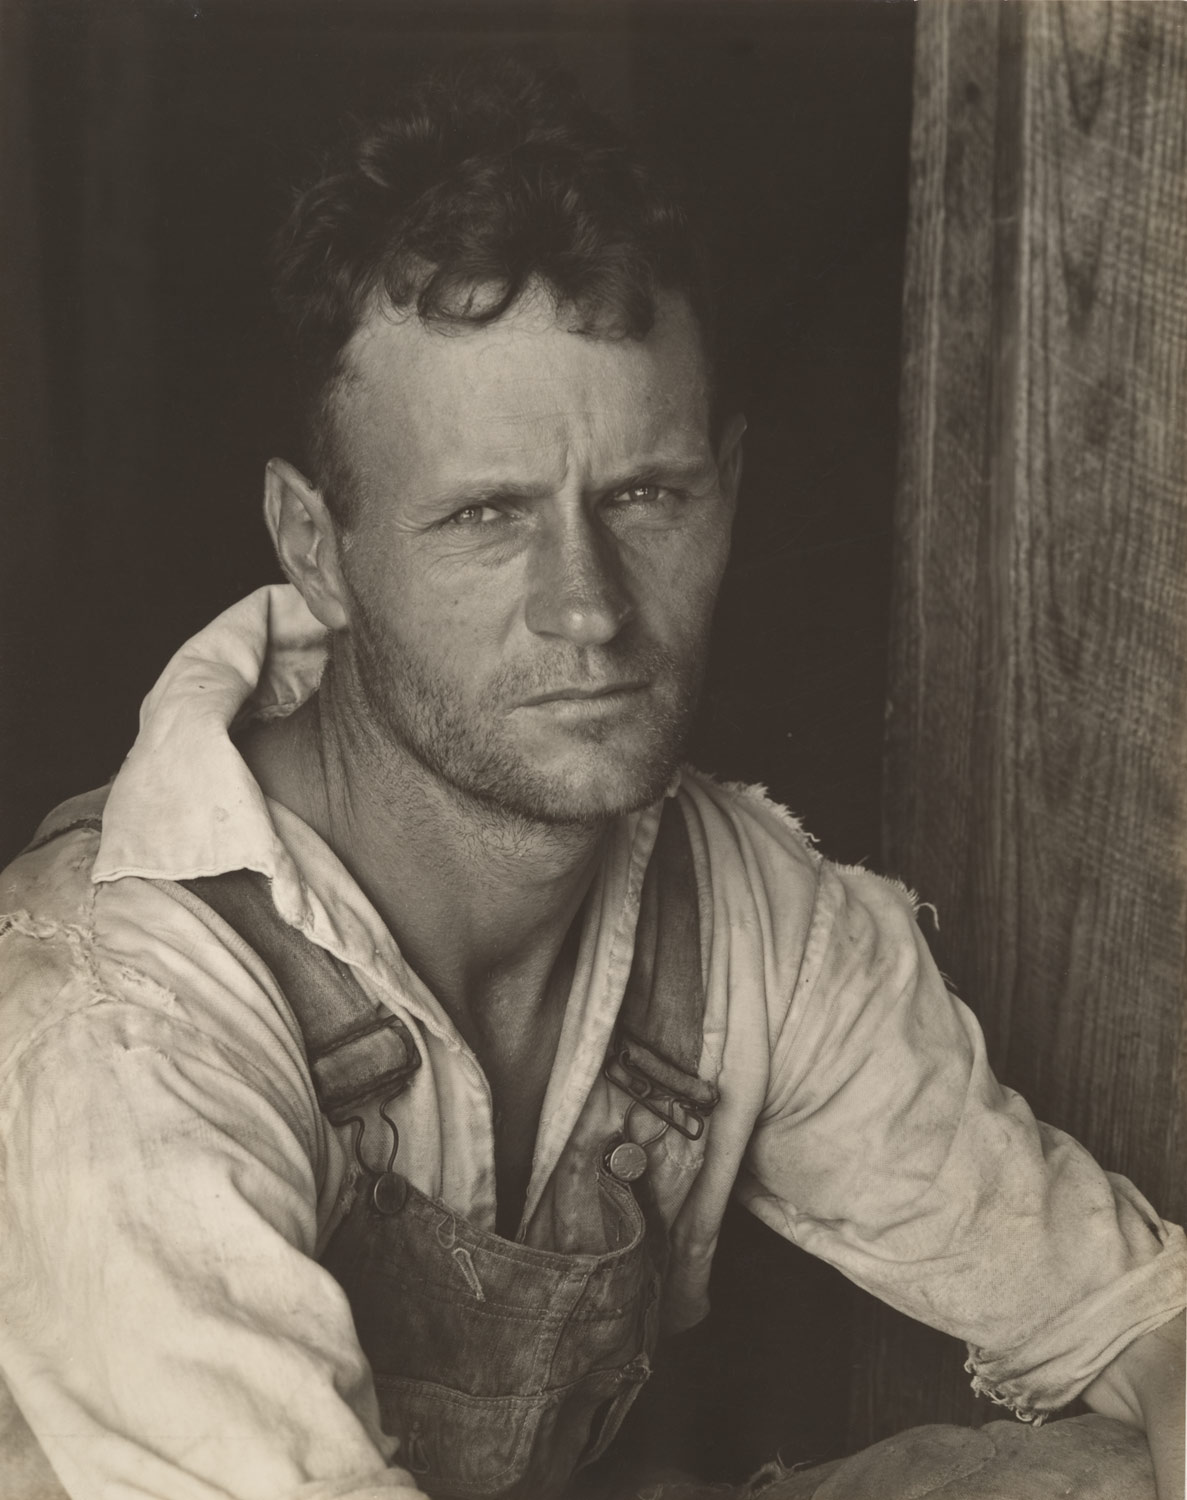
729 457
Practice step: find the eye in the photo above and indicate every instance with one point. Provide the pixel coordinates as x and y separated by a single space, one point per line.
646 494
641 493
646 502
475 515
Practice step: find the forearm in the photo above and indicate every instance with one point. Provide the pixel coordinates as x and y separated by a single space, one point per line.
1144 1385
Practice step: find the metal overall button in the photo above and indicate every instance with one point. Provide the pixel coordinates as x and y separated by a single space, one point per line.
627 1161
626 1158
389 1190
389 1193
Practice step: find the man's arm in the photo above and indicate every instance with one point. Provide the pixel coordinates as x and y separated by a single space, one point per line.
164 1327
1145 1386
888 1148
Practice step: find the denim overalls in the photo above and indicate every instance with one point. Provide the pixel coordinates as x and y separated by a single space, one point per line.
500 1366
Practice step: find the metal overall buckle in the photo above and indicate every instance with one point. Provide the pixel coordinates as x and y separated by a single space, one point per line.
682 1113
373 1061
625 1156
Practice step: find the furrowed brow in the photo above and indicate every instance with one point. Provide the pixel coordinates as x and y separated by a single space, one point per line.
674 471
489 491
486 492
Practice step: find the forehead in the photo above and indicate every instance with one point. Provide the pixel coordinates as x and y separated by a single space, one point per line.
524 396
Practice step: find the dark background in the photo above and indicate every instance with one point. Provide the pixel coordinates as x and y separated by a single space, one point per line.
149 152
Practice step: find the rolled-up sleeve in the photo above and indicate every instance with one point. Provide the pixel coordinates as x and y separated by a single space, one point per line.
887 1147
164 1328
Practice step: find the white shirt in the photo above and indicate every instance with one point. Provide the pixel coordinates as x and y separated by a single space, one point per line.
167 1180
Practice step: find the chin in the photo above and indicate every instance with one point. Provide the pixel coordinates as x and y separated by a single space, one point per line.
604 805
580 794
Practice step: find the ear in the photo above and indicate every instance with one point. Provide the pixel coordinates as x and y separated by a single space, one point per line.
729 457
306 541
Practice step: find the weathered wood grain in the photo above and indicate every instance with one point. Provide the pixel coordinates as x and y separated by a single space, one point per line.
1036 782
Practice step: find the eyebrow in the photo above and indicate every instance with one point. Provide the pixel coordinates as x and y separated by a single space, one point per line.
482 490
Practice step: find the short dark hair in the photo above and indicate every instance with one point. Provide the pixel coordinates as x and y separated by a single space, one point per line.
480 181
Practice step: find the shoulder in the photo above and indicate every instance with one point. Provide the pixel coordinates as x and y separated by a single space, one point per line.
762 876
51 877
130 963
745 818
758 876
47 923
752 851
741 825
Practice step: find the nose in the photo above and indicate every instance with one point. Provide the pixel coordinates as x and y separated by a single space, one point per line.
576 589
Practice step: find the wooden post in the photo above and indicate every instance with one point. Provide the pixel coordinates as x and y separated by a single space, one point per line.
1036 779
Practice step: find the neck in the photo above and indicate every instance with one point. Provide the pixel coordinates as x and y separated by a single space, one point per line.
479 901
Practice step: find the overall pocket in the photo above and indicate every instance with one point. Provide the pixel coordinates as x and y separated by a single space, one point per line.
462 1447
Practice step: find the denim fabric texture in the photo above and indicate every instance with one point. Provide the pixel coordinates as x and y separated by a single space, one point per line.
499 1367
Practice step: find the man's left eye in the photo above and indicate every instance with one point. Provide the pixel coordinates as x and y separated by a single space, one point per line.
641 493
475 515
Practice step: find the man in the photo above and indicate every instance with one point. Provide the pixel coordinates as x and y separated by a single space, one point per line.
380 1050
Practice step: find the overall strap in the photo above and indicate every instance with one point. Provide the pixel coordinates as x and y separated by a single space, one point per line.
358 1051
656 1049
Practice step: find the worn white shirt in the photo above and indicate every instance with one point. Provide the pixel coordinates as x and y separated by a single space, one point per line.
167 1180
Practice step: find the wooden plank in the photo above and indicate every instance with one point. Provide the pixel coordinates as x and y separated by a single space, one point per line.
1036 788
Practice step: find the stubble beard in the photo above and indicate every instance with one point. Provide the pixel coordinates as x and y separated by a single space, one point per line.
425 719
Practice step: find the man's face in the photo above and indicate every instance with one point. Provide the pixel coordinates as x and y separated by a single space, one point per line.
539 534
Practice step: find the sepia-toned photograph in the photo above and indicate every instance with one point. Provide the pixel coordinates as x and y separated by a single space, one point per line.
593 697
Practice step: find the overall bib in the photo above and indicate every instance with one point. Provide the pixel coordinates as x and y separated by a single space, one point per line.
501 1367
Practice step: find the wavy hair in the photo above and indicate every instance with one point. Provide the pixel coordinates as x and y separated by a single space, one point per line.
480 182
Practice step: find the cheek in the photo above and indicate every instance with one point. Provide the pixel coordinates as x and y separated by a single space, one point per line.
678 581
454 635
420 606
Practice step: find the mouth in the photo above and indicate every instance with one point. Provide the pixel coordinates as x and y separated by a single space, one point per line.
608 696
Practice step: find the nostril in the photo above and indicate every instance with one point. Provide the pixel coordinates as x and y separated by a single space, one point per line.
580 615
